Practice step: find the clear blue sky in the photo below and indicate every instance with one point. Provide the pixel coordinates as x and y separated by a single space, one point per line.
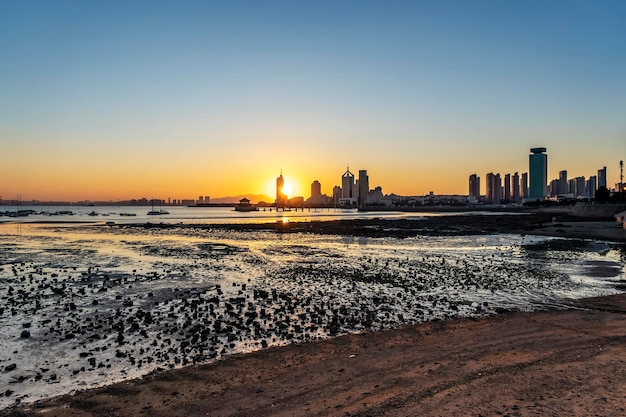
120 99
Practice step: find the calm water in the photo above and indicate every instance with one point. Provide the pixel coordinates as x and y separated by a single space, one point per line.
198 214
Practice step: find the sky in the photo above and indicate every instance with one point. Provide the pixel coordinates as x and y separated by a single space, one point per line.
113 100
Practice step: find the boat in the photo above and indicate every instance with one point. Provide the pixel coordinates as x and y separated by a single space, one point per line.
20 212
244 205
158 212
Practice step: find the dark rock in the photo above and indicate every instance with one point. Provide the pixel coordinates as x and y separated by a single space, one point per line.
11 367
25 334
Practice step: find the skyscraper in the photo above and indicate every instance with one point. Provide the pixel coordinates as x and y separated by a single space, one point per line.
494 188
316 189
364 187
579 187
281 198
592 186
516 193
474 186
538 169
336 194
347 184
563 187
525 184
507 187
602 178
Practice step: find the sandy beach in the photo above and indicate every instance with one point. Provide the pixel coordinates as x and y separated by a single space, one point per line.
561 363
455 354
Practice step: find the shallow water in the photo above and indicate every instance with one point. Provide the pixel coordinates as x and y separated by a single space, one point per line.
102 304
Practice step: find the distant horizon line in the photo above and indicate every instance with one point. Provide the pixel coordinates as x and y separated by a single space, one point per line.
182 201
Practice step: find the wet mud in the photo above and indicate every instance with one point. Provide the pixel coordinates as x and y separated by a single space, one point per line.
85 306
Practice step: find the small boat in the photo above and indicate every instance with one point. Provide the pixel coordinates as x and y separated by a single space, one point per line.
158 212
93 213
20 213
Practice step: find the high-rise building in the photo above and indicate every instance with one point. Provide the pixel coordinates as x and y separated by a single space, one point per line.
489 180
316 189
555 187
336 194
494 188
563 187
580 187
507 187
347 184
538 170
281 198
364 187
474 186
592 186
602 178
516 194
525 184
571 187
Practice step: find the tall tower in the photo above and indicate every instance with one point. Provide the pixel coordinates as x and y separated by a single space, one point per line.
507 188
281 198
538 169
563 187
494 188
316 189
474 186
516 190
347 184
364 187
602 178
524 185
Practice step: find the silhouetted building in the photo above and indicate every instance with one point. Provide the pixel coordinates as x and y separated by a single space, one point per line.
516 190
364 187
592 186
579 187
347 184
524 185
563 184
375 196
555 187
538 169
494 188
336 194
571 187
474 186
316 189
507 187
281 198
602 178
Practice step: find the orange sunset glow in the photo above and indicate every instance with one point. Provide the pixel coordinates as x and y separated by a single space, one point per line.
221 118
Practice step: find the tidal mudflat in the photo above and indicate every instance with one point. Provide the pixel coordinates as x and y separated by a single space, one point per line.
85 306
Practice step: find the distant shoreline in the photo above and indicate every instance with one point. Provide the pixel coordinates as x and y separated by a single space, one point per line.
564 225
552 223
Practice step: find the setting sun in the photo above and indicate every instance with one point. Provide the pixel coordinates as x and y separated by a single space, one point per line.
287 189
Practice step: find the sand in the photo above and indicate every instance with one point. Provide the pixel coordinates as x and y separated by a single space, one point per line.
558 363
